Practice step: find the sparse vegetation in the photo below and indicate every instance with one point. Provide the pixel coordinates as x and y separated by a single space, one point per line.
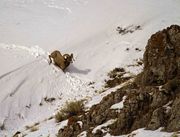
91 83
60 116
46 99
139 62
50 118
2 127
37 123
27 127
34 128
129 29
117 72
174 135
116 77
71 109
137 49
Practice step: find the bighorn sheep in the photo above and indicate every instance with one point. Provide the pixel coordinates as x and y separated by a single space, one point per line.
61 61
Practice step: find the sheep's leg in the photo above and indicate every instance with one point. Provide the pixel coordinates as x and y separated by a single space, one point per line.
50 59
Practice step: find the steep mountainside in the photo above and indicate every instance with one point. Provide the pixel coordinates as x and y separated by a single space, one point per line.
151 101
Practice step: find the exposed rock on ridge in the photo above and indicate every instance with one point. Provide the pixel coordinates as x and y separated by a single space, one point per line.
153 99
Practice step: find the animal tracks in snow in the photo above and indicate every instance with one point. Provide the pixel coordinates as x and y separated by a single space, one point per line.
35 51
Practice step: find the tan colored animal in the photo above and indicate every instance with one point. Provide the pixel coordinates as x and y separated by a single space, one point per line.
61 61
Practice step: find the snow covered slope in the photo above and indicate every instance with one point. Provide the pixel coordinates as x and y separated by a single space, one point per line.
31 90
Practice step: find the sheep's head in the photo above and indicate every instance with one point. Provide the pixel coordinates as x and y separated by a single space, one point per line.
69 58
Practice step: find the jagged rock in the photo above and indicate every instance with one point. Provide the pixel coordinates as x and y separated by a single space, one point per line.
159 99
174 120
132 113
99 119
147 97
98 133
161 67
72 129
171 86
101 112
157 119
162 56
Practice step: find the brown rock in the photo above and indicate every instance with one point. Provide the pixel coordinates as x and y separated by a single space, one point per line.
162 55
157 119
174 121
145 105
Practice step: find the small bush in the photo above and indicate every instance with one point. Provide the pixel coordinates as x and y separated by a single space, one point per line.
71 109
128 29
117 72
116 77
60 116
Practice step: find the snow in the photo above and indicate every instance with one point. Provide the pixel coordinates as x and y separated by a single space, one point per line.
83 134
80 123
97 99
31 29
168 107
29 85
45 128
109 122
145 133
119 105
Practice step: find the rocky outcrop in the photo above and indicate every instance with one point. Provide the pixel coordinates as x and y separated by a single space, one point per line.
152 100
162 56
97 115
174 115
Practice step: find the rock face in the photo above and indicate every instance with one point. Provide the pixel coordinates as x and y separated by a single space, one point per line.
162 56
152 100
174 115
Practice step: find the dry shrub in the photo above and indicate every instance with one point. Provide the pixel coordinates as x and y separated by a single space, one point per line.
33 129
60 116
116 77
71 109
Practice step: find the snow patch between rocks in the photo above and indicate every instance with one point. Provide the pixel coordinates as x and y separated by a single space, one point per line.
103 125
119 105
83 134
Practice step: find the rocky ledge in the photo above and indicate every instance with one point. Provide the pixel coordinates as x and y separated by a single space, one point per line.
151 101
